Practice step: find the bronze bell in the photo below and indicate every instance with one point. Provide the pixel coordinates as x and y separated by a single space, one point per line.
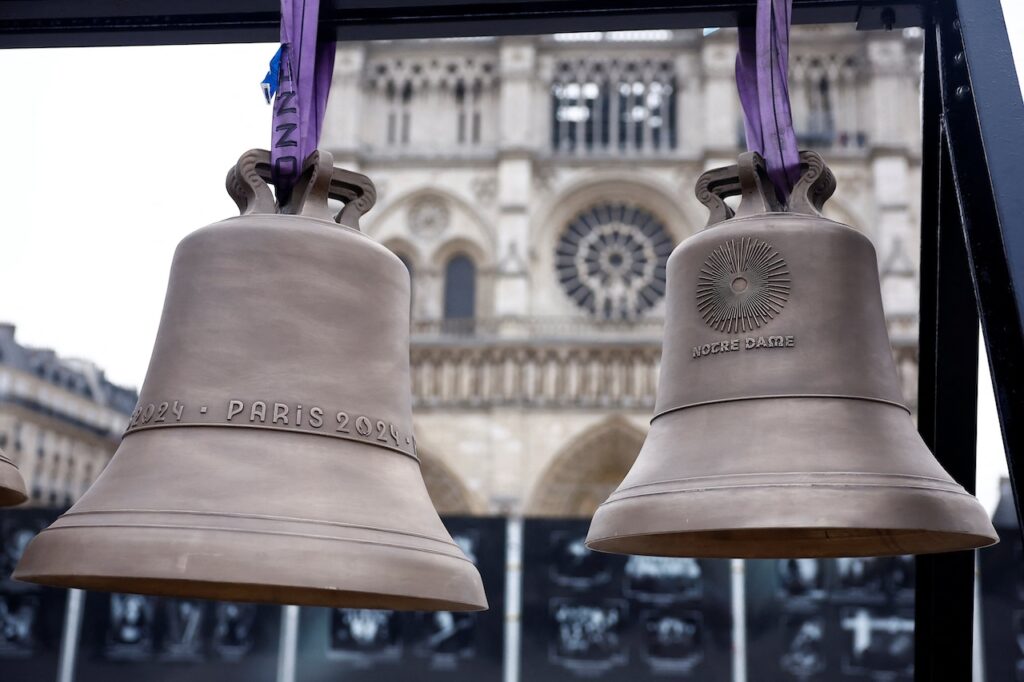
12 487
271 457
779 427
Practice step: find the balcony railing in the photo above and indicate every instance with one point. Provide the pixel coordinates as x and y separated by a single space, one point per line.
537 327
558 362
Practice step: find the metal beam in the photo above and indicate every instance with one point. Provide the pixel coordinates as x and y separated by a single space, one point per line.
75 23
984 119
947 403
975 245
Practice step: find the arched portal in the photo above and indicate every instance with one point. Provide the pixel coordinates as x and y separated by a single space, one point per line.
587 470
459 288
449 495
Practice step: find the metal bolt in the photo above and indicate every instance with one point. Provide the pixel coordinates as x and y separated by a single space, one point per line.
961 91
888 18
958 58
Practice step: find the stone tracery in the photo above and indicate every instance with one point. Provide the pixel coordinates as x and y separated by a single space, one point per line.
611 260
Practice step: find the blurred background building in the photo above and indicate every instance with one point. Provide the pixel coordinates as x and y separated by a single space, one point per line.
60 419
534 188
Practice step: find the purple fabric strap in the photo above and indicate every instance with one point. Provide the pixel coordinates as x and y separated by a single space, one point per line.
762 77
306 69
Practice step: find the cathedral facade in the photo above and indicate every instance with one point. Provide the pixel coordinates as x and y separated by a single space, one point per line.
534 188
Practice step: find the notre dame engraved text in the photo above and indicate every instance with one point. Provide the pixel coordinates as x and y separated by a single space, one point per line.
743 344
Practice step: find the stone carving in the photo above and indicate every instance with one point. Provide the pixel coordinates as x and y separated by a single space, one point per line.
535 375
485 188
429 216
610 260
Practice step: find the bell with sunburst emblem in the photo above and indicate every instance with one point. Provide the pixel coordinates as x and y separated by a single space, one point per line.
779 428
12 487
271 457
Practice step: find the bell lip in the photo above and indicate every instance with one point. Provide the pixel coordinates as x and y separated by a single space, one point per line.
245 592
857 521
11 497
781 478
766 543
138 560
12 485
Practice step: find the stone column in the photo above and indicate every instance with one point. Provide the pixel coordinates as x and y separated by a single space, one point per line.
722 120
342 122
893 155
689 131
517 141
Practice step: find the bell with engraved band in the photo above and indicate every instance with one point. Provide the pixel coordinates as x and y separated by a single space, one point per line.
271 457
779 427
12 486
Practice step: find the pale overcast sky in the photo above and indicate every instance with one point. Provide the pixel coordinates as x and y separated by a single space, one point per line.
112 155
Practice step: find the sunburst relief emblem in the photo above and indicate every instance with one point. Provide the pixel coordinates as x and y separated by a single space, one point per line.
743 284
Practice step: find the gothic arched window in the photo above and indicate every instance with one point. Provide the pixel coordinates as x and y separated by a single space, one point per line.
406 111
613 106
822 125
459 292
399 111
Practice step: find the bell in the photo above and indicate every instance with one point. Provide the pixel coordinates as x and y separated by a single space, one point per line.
12 487
271 457
779 427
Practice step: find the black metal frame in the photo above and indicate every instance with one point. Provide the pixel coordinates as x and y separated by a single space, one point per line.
972 209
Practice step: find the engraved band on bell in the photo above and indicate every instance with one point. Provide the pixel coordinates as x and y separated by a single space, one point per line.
274 416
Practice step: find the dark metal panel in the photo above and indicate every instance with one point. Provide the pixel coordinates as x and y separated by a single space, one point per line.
926 587
830 620
984 119
139 637
947 390
358 645
31 617
610 618
1002 594
67 23
948 423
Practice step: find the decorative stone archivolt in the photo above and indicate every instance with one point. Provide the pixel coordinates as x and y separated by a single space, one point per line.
610 260
405 250
447 491
587 470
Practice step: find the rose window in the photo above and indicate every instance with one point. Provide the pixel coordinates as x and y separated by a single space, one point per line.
610 260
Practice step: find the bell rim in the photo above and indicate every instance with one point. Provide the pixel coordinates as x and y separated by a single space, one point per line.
749 538
11 497
252 593
12 485
153 561
856 521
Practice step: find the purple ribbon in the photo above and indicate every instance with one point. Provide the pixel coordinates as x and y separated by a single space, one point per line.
762 77
306 69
